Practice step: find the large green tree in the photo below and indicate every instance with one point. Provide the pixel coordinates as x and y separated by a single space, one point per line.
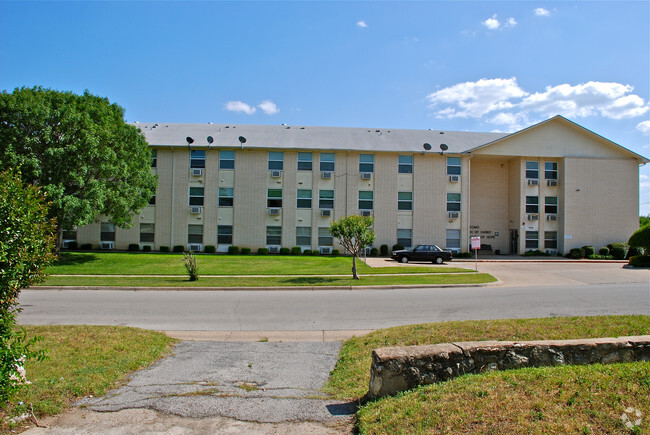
354 233
78 148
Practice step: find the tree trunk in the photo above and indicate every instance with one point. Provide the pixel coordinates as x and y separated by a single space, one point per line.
59 234
354 267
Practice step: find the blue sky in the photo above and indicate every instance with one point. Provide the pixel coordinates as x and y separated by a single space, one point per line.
478 66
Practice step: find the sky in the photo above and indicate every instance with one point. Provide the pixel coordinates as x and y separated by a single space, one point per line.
473 66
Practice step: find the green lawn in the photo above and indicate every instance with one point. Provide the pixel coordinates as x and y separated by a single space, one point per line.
566 399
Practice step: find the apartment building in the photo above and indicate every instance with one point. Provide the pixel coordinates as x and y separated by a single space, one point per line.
552 186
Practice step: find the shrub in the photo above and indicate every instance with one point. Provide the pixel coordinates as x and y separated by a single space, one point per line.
634 251
603 251
146 248
589 250
189 259
397 247
336 252
233 250
383 250
210 249
164 249
86 246
178 248
600 257
641 238
134 247
245 251
296 250
315 252
374 252
536 253
306 252
72 246
618 250
464 255
640 261
284 251
577 253
263 251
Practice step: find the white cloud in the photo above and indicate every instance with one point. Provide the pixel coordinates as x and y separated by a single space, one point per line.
268 107
362 24
644 127
493 23
511 22
541 12
240 106
504 102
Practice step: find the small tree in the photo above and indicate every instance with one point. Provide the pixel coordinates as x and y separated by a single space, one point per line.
26 242
354 233
641 239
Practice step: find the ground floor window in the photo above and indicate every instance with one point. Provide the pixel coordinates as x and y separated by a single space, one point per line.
532 240
303 236
453 240
324 237
224 234
273 235
107 232
69 235
194 233
405 237
550 239
147 232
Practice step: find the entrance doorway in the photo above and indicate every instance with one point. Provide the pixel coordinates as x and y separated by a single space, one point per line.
514 242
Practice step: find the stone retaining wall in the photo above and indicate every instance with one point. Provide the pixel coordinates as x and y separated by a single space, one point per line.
397 369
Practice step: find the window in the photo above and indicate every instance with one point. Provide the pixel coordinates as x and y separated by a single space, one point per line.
274 198
550 205
273 235
532 170
532 240
276 160
194 233
197 159
405 164
152 200
453 202
303 236
324 237
304 161
550 170
550 239
405 201
366 199
226 196
366 163
147 233
327 162
154 158
326 199
107 232
304 198
196 195
69 234
405 237
224 234
453 240
226 159
453 166
532 204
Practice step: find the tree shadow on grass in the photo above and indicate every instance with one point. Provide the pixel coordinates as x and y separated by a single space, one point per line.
312 280
70 258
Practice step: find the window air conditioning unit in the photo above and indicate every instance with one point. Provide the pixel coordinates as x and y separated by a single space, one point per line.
274 249
533 217
365 212
326 212
366 175
453 214
326 175
326 250
195 248
107 245
196 172
274 211
195 209
551 217
533 182
551 183
276 174
454 178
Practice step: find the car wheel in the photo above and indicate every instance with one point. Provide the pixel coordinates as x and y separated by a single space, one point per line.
438 260
404 259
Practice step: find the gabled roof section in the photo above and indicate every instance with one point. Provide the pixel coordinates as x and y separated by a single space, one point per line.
616 148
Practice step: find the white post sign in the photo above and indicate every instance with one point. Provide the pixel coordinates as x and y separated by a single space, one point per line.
476 245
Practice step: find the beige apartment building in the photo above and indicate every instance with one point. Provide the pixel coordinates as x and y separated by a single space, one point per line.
553 186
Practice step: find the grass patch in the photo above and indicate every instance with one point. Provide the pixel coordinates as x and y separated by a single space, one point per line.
121 263
279 281
248 387
350 377
84 360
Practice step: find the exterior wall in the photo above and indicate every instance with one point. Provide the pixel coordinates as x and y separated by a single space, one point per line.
386 188
429 199
250 212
